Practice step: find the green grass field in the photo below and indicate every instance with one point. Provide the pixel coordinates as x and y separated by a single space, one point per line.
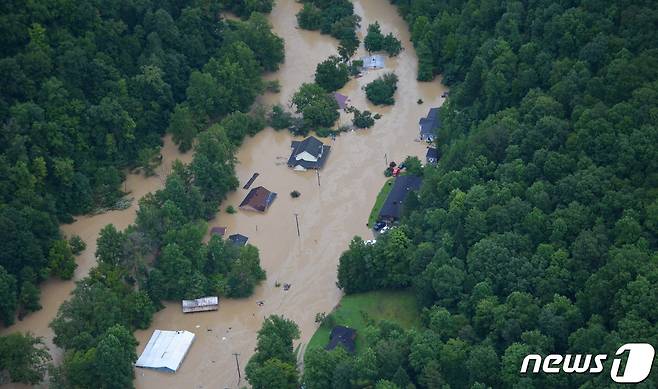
357 310
381 197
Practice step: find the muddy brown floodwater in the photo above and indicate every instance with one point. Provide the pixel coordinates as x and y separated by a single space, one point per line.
330 214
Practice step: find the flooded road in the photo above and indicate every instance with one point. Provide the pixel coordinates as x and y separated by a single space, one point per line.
330 214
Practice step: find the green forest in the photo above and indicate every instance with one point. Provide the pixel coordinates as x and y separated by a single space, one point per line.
88 91
537 231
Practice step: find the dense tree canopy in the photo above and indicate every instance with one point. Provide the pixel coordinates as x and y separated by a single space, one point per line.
382 90
333 17
535 232
273 365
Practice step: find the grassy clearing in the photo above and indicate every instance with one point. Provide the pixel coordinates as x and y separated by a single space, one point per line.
358 310
381 197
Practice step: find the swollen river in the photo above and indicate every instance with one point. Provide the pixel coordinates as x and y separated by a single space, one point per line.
330 214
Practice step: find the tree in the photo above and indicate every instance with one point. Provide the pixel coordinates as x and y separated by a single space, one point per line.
279 118
374 40
363 119
115 356
381 90
24 358
332 74
273 363
391 45
61 261
274 374
310 17
245 273
317 107
7 297
110 246
320 365
183 125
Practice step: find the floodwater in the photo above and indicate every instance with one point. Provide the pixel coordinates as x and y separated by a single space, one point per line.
333 207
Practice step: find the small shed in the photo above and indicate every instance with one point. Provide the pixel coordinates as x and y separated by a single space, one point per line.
220 231
166 350
374 61
202 304
238 239
343 336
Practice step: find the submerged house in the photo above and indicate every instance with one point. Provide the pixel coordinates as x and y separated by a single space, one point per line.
343 336
310 153
166 350
432 155
392 208
219 231
374 61
238 239
202 304
429 124
258 199
341 100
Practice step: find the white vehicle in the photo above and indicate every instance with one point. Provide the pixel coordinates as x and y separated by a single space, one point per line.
371 241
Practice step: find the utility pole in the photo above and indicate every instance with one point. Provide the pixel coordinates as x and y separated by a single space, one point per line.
386 158
237 364
317 172
297 221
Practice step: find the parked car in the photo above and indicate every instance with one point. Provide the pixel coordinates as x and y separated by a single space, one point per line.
383 230
371 241
378 226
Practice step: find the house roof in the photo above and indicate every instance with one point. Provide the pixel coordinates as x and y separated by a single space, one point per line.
313 146
343 336
238 239
431 122
165 350
258 199
374 61
341 99
432 153
201 304
218 231
401 187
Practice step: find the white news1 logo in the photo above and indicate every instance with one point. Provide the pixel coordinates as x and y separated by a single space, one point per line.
638 365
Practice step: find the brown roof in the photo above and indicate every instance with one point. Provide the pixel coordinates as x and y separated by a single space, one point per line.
258 199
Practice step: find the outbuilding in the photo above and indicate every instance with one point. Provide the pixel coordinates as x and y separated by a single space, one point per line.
429 124
166 350
202 304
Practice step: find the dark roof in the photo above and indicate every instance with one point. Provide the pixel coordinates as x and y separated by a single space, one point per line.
430 123
313 146
259 199
344 336
238 239
341 99
432 153
218 231
401 187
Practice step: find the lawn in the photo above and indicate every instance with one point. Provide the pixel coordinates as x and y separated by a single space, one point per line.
381 197
357 310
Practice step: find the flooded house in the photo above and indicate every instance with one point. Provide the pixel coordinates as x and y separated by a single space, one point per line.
202 304
343 336
219 231
166 350
432 155
429 124
341 100
238 239
372 62
392 208
258 199
310 153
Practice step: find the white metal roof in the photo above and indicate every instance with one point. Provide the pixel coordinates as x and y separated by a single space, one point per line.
166 350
